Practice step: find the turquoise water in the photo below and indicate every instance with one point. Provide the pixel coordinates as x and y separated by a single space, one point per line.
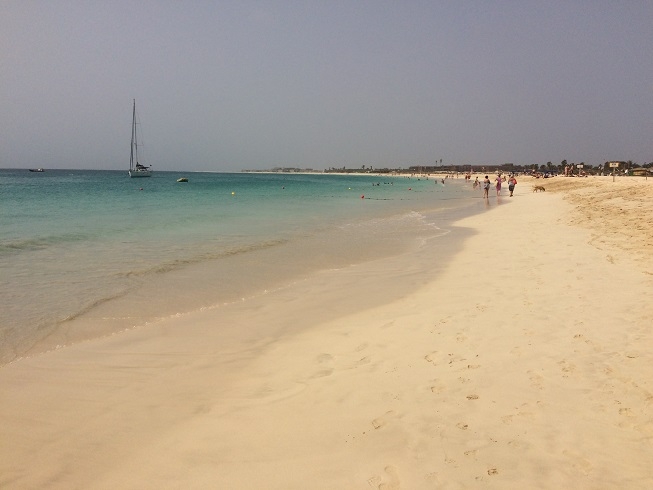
86 253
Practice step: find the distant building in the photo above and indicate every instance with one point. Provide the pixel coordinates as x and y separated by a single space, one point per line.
620 165
642 172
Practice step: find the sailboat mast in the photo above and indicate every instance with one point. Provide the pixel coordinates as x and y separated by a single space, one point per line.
131 156
135 168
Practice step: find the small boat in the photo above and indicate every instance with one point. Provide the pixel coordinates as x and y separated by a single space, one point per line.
36 170
182 179
136 169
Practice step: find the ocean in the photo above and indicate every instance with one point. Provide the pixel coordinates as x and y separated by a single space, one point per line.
89 253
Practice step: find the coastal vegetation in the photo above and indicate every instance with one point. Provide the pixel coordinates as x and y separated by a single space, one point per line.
605 168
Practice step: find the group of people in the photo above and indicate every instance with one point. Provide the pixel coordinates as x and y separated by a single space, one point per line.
512 182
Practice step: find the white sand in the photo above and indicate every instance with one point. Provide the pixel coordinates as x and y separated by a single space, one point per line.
526 362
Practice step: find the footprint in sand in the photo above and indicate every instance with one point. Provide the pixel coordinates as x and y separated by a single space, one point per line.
379 422
392 477
387 325
578 462
523 412
453 358
432 478
322 373
450 461
203 408
537 381
324 358
362 361
567 367
431 357
325 371
438 388
627 412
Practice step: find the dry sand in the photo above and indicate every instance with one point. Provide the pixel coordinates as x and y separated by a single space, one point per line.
526 362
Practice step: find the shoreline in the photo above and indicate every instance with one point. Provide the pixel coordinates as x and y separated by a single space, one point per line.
505 367
105 291
198 286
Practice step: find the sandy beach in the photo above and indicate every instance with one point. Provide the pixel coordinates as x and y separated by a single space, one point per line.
523 360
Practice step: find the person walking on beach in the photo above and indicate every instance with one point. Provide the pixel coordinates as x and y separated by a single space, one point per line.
486 186
512 182
498 179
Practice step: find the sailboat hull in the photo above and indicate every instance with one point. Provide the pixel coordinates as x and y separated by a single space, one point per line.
140 173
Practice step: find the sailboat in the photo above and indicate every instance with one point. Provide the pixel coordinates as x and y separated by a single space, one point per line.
135 168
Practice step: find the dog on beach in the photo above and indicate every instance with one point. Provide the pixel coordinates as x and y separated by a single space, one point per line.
538 188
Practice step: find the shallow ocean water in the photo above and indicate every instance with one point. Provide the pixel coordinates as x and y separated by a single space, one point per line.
120 252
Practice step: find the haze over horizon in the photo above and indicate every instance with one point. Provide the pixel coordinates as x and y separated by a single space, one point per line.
226 86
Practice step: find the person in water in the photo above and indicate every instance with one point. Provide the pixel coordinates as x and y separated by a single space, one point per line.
512 182
486 186
498 179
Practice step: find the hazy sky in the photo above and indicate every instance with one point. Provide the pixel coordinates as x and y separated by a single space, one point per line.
231 85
